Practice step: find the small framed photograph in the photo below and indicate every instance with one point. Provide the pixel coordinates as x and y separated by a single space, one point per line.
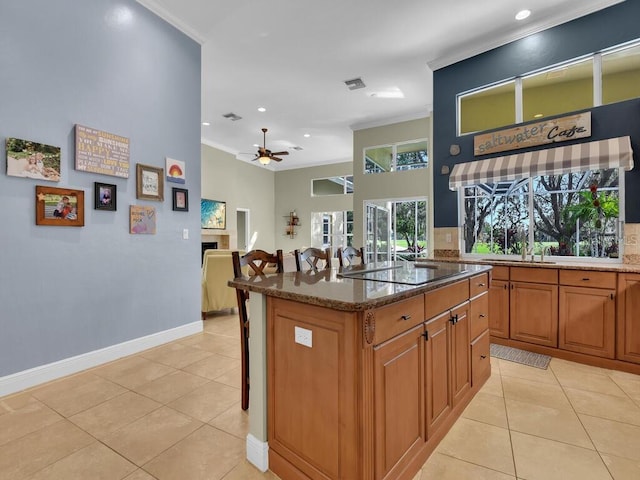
59 207
105 196
149 182
180 199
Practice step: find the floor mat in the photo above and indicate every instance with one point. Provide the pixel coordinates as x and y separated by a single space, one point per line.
520 356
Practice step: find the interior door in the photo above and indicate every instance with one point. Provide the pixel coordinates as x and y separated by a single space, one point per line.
378 232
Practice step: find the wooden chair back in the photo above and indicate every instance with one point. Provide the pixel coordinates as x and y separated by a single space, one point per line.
346 256
312 257
257 262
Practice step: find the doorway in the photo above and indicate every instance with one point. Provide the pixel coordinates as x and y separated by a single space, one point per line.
242 225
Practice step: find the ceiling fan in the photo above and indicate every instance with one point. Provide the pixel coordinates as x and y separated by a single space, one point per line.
264 155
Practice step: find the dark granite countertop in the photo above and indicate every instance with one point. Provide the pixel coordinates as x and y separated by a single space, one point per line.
335 288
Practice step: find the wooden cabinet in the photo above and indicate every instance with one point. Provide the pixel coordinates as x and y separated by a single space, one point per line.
499 302
587 314
399 407
437 376
460 353
533 313
628 322
480 363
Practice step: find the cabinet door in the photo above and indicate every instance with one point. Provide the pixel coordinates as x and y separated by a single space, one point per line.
499 308
399 406
628 324
480 363
438 386
587 320
534 313
460 353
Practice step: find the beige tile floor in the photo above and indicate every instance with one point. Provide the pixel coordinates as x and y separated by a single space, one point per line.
173 412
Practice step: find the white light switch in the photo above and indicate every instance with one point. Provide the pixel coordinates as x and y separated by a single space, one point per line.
185 234
303 336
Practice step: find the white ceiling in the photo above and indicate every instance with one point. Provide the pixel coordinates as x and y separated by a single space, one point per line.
293 56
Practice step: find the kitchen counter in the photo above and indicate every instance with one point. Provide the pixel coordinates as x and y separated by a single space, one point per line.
360 287
565 265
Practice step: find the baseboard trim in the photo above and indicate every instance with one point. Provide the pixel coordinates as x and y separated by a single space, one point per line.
258 453
52 371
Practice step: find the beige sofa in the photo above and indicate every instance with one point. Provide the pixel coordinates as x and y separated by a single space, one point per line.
217 270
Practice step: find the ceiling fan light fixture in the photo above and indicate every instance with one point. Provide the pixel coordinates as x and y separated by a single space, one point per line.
264 160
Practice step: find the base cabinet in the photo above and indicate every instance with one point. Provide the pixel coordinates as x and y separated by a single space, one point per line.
399 418
533 313
460 359
587 320
499 308
627 321
437 372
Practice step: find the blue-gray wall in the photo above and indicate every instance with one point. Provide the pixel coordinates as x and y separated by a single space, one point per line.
600 30
114 66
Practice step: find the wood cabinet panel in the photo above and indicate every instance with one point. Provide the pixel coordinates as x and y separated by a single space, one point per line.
499 308
478 284
500 272
460 353
438 386
588 278
587 320
533 312
399 408
479 315
534 275
480 362
628 319
398 317
445 298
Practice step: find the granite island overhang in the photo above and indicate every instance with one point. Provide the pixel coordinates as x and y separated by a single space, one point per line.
359 372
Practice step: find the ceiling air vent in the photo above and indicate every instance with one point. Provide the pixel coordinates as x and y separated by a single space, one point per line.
232 116
355 83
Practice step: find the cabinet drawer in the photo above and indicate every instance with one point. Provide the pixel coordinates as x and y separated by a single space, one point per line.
479 313
442 299
500 272
480 361
398 317
588 278
478 284
534 275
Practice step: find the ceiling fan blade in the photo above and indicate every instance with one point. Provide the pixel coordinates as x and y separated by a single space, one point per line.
280 153
275 158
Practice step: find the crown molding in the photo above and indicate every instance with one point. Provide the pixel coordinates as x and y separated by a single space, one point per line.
381 122
168 17
479 47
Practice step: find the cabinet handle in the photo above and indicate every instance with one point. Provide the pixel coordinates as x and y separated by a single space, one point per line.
585 279
611 296
505 286
482 315
406 317
481 284
512 286
483 357
454 319
426 335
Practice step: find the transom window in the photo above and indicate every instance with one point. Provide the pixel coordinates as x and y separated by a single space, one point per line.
396 157
332 186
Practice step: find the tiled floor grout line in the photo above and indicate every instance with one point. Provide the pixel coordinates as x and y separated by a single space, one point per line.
506 414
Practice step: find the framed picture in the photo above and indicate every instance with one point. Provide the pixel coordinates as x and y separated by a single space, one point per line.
60 207
104 196
213 214
29 159
180 199
175 171
142 220
149 182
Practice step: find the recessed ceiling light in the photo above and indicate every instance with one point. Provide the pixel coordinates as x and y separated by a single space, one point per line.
306 135
206 124
256 145
522 14
262 109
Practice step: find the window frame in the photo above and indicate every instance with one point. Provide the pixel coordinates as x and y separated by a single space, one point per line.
345 180
394 156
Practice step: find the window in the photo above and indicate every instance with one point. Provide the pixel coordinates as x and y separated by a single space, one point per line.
332 229
488 108
573 214
621 74
332 186
396 157
606 77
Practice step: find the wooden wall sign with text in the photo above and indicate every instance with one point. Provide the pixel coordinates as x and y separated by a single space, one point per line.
532 134
101 152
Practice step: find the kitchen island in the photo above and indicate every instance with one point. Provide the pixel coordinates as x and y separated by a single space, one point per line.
358 373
